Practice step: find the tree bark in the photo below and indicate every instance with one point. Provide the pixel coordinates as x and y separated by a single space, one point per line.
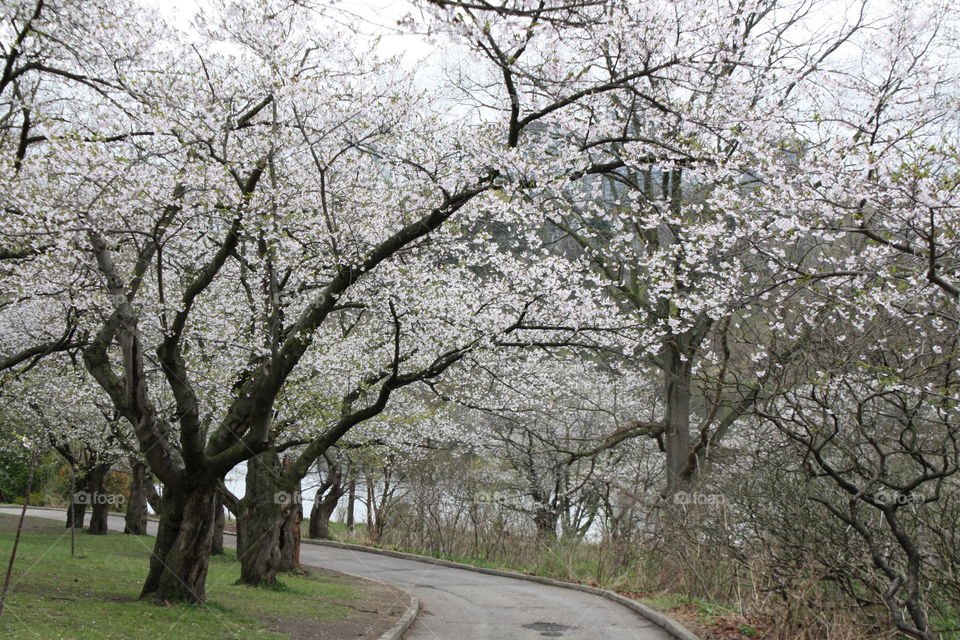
351 500
178 565
290 532
76 514
320 521
77 511
219 522
260 521
321 513
378 508
100 504
135 521
677 363
326 499
373 534
545 520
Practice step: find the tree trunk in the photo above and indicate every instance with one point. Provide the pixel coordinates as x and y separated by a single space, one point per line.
378 509
676 437
99 499
320 521
326 499
135 521
545 520
219 521
372 533
321 513
290 532
178 565
76 514
77 511
351 499
260 520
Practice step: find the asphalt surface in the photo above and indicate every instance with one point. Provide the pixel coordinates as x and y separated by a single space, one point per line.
456 603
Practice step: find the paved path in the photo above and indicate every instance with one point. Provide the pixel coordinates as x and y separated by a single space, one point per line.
459 604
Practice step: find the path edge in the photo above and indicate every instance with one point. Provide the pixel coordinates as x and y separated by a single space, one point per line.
406 619
663 621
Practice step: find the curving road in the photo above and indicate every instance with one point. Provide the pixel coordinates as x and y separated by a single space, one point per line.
456 603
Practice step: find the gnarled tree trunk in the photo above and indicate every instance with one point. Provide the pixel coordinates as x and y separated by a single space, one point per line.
325 501
76 514
178 565
321 513
290 532
268 525
99 499
260 520
545 518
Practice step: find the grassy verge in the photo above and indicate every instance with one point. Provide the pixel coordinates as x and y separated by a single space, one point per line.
93 595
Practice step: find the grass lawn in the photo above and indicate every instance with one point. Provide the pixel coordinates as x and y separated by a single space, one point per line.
93 595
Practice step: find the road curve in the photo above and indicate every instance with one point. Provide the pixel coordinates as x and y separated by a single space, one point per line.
457 603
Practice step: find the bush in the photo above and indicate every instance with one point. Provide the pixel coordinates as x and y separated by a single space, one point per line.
37 498
14 472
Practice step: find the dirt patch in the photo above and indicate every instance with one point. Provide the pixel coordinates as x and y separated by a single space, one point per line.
374 614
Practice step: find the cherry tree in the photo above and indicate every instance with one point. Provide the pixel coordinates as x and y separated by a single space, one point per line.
868 404
147 223
257 236
869 410
679 117
557 421
241 204
82 430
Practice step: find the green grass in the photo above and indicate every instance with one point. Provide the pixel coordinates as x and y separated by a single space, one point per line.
93 596
949 621
665 601
338 530
703 609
